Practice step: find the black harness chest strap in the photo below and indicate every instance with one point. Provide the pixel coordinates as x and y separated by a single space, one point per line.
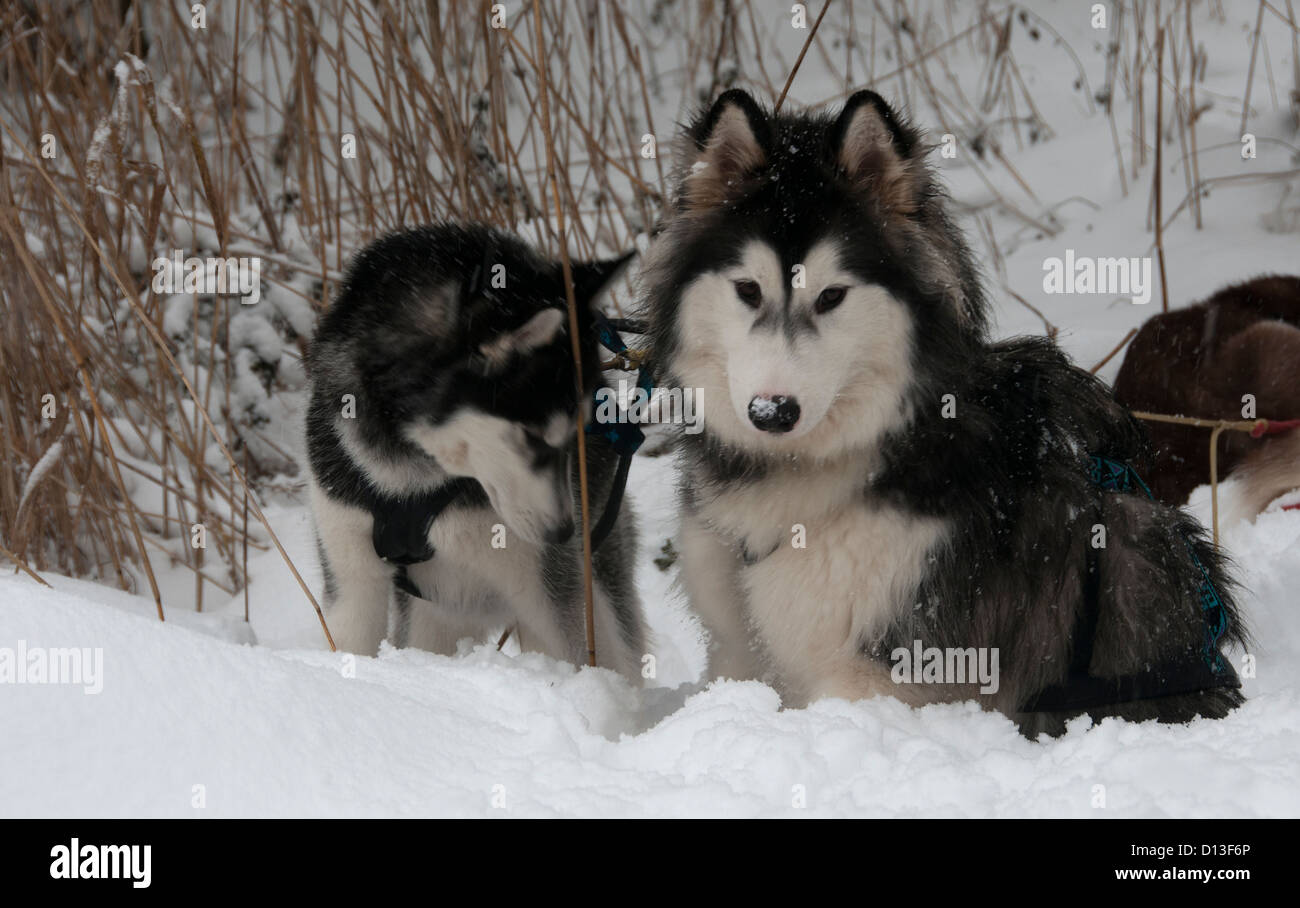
401 528
401 525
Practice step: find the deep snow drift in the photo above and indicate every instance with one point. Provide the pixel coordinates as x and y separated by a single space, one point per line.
270 731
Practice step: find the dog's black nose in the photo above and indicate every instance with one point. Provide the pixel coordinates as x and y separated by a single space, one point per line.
774 414
561 533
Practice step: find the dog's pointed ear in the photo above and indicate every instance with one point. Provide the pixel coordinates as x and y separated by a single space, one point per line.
875 151
538 331
591 278
730 145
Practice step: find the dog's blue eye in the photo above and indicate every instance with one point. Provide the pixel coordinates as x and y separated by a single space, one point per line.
829 299
750 293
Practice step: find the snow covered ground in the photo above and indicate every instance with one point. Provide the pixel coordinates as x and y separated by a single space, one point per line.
283 728
206 715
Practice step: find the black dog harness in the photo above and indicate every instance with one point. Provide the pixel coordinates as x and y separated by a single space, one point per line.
401 528
401 525
1204 671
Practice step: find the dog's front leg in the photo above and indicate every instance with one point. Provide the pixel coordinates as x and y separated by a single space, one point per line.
439 633
710 572
851 675
358 581
555 629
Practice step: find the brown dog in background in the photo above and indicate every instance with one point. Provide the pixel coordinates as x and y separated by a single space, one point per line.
1202 361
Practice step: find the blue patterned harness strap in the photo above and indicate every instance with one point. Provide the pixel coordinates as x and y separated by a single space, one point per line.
624 436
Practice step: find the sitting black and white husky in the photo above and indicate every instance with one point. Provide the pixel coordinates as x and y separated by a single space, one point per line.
877 484
441 439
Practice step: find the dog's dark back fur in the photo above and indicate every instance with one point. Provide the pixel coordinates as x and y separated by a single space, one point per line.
1199 361
1013 471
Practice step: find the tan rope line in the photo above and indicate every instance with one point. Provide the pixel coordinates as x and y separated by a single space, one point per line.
1217 426
627 361
1241 425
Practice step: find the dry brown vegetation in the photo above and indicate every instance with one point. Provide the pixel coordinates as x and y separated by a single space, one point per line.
128 133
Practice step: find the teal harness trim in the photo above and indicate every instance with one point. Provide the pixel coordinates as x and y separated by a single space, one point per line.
623 436
1115 476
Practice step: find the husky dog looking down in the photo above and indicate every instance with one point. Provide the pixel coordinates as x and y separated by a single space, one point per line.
441 435
874 472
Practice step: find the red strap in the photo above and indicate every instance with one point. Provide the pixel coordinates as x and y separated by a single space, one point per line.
1273 427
